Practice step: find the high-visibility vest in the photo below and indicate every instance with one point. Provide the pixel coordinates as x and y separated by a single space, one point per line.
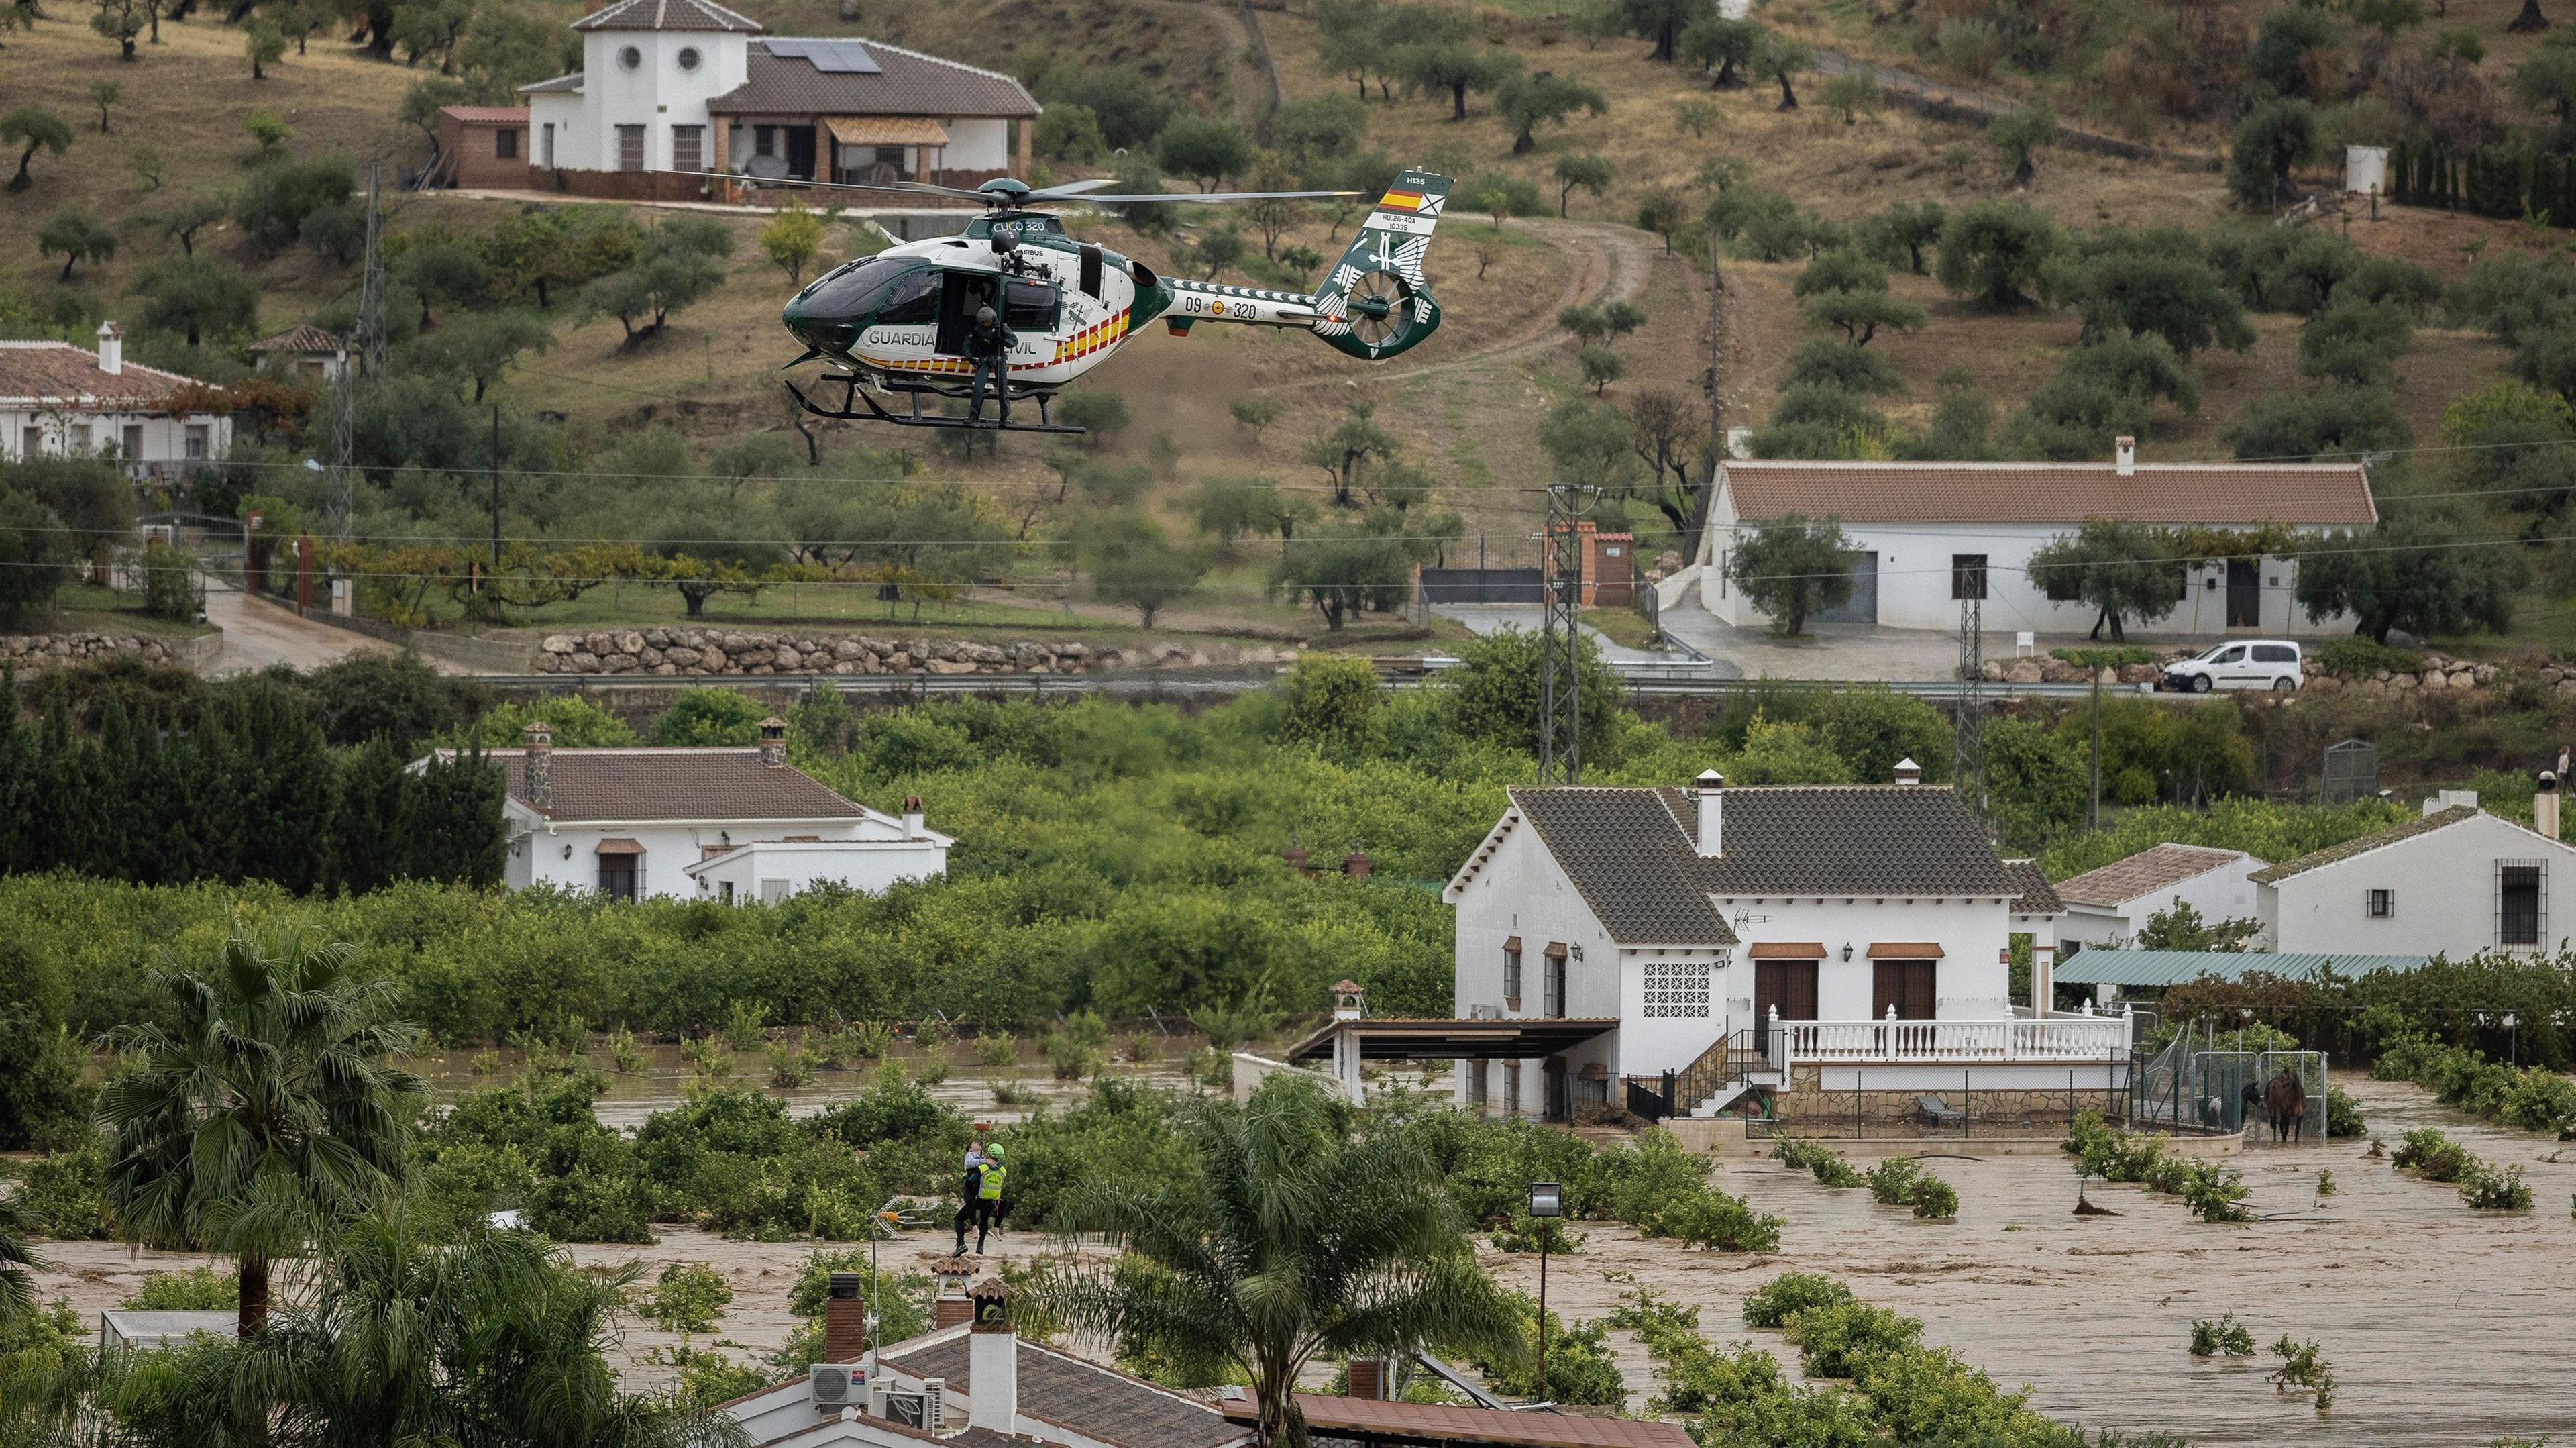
991 1189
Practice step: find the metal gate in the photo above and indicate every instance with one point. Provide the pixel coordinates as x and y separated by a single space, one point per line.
1480 585
1862 607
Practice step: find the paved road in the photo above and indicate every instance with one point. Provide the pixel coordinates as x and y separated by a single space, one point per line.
258 633
1486 618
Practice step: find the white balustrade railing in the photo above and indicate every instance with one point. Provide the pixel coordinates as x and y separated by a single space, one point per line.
2050 1038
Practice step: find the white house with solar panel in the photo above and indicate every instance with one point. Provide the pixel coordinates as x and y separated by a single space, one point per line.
673 87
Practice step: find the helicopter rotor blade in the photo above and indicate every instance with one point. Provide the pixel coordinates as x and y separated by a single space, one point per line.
1201 198
899 188
1070 188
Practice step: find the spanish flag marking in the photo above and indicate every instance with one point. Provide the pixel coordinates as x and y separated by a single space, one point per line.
1401 201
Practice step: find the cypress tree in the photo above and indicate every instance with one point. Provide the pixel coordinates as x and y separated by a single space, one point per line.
365 846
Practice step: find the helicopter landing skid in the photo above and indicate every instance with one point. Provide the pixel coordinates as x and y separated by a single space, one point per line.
858 406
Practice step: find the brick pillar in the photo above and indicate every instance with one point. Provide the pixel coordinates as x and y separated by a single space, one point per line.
1022 144
950 1312
304 571
721 128
845 1319
826 157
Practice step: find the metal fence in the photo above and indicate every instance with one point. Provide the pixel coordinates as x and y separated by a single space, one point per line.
2196 1086
1963 1112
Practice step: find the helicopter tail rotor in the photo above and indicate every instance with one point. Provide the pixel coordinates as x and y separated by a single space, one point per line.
1374 304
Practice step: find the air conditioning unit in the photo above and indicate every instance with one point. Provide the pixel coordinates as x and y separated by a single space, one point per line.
834 1385
920 1407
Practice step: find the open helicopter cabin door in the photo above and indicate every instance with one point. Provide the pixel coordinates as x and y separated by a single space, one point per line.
1029 307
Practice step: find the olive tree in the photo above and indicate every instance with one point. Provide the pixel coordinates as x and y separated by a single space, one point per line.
1792 567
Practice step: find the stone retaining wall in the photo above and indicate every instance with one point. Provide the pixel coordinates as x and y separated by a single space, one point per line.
43 651
692 651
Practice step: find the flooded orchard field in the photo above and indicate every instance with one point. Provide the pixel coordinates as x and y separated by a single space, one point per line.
2443 1325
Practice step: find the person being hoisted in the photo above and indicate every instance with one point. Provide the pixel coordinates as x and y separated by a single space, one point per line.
981 1205
989 346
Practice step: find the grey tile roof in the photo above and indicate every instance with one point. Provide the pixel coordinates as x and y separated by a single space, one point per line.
2038 897
2143 873
907 83
1099 1403
2364 844
571 83
1634 853
668 15
675 784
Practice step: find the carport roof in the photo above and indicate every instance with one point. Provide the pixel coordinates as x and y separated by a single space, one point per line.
2130 969
1488 1039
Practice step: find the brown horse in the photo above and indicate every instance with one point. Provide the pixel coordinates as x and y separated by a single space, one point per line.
2285 1100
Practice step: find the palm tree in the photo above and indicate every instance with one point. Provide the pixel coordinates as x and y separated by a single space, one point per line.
1292 1239
498 1339
269 1112
18 1261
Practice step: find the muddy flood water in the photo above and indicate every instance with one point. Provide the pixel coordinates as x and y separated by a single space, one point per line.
2442 1325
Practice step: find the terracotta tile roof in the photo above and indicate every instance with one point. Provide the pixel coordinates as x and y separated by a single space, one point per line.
1102 1404
906 83
2038 897
1445 1423
58 372
2364 844
2212 493
1634 854
2144 873
675 784
486 115
303 337
668 15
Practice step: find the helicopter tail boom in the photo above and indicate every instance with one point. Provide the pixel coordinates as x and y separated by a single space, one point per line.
1375 304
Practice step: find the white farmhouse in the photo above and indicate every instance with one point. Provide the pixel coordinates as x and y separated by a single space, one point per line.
1926 535
731 825
1806 932
58 400
671 87
2455 881
2109 906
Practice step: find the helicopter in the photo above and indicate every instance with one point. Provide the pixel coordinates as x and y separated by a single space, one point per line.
895 325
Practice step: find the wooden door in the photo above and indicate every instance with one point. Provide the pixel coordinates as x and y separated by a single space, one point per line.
1787 984
1906 985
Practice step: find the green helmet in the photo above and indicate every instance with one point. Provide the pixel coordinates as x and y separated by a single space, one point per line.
993 1152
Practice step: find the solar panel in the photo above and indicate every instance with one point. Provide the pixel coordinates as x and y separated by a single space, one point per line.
832 57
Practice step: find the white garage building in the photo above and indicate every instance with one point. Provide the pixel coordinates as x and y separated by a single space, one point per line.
1922 534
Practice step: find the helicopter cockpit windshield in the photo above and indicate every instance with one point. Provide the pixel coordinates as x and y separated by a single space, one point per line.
898 290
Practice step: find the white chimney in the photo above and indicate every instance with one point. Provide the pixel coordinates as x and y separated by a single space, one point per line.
1739 443
111 349
1711 790
2544 805
773 741
912 828
1908 772
2124 455
992 1360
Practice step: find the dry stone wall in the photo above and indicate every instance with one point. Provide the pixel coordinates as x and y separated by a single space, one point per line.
702 652
31 652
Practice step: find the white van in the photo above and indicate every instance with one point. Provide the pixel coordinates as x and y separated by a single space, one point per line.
2238 664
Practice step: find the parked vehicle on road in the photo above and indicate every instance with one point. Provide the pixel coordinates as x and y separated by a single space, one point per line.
2238 664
